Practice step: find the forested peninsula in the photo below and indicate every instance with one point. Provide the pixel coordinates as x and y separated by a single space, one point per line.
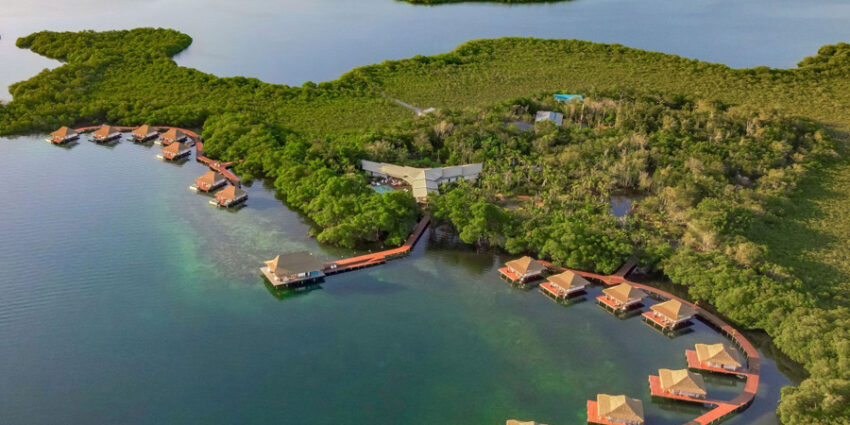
738 175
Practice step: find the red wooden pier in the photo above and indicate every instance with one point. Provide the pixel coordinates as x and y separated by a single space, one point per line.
593 415
381 257
723 408
506 272
222 167
656 391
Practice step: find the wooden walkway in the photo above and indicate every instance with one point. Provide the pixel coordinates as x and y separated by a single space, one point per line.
723 408
222 167
373 259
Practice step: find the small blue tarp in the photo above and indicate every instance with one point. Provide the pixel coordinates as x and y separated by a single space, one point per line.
568 97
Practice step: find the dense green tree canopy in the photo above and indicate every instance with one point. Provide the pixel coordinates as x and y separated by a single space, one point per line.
707 152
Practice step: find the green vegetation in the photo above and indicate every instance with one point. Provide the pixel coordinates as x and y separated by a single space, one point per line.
702 170
730 161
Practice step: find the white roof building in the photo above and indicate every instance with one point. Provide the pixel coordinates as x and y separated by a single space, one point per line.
423 180
556 117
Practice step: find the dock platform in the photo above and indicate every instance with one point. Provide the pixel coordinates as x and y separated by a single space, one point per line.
753 359
509 275
557 293
614 308
376 258
660 324
292 283
693 363
593 415
656 391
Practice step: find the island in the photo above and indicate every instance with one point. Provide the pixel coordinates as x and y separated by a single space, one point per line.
719 164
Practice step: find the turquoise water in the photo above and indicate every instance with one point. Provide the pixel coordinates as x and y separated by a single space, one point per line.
292 41
127 299
383 189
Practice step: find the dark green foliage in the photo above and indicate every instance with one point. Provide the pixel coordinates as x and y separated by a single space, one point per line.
315 177
712 179
704 174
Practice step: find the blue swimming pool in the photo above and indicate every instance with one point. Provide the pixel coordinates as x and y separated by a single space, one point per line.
383 188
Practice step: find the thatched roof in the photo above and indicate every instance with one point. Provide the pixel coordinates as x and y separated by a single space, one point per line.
624 293
144 131
682 380
619 407
526 265
173 134
229 193
569 280
105 131
716 353
673 309
294 263
63 133
175 147
210 178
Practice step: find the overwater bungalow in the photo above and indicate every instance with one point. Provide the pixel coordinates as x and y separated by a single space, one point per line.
173 135
230 196
522 270
715 356
174 151
106 134
211 180
295 269
564 285
622 297
555 117
615 410
682 382
145 133
670 314
63 135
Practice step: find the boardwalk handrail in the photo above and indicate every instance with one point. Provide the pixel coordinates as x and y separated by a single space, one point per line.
742 400
380 257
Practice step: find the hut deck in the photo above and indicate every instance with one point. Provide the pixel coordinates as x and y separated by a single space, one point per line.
593 415
745 398
508 274
693 363
612 305
656 391
661 323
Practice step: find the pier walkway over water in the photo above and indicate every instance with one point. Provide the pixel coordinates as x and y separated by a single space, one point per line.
722 409
381 257
221 167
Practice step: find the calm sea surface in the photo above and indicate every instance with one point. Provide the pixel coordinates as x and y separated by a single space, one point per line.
292 41
125 298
